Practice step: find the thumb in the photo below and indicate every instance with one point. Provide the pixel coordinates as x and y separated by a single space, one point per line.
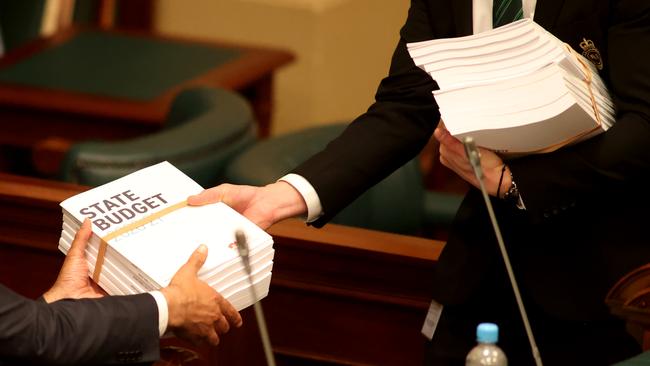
207 196
80 241
197 259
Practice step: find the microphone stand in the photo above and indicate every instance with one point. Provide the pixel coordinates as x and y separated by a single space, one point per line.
475 161
242 247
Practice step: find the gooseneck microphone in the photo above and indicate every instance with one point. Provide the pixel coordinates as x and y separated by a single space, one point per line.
242 247
475 161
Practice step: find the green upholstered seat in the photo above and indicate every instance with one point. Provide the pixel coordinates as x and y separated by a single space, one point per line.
205 128
642 359
398 204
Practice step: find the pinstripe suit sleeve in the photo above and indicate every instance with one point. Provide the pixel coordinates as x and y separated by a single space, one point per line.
115 329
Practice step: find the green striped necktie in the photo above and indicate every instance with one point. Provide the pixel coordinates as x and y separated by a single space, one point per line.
506 11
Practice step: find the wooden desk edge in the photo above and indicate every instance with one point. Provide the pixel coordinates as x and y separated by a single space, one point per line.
254 63
26 189
361 239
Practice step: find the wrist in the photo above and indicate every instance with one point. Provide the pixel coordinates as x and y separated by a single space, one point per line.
171 294
291 203
500 182
52 295
512 194
506 182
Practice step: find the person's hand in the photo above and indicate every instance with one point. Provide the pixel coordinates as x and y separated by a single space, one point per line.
262 205
197 312
73 281
452 155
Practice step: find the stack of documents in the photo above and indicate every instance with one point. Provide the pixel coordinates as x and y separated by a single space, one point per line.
515 89
150 232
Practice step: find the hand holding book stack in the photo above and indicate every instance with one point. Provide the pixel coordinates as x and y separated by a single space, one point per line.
143 232
516 89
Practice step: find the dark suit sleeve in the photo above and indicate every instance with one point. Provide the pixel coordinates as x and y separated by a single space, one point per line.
393 130
113 329
615 163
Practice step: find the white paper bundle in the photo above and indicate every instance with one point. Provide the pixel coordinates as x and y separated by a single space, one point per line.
150 233
516 89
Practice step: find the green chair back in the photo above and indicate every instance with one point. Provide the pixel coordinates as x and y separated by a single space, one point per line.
205 128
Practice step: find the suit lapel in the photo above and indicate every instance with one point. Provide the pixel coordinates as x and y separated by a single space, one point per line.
463 17
546 13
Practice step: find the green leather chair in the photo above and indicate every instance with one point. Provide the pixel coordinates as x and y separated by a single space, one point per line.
642 359
398 204
204 129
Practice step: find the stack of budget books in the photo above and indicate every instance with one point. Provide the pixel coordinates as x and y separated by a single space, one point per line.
148 233
516 89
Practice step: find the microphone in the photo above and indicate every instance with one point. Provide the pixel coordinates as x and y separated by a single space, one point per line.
474 158
242 248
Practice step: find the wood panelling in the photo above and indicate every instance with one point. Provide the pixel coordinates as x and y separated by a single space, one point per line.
339 295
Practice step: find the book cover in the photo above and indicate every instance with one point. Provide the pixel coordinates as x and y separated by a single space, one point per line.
149 228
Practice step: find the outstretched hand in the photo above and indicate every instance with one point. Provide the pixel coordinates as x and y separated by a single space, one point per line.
73 281
197 312
262 205
452 155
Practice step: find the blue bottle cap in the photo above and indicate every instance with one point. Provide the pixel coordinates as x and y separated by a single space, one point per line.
487 333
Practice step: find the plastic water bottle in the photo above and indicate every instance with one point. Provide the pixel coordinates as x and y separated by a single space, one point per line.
486 352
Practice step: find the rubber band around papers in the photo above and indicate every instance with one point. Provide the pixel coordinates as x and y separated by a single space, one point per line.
588 80
594 105
99 263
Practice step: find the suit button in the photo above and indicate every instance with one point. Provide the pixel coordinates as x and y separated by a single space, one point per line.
555 211
546 215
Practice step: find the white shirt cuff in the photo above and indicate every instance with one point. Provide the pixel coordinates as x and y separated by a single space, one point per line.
163 311
520 203
308 193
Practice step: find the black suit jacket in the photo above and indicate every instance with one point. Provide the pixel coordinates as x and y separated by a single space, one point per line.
113 329
585 217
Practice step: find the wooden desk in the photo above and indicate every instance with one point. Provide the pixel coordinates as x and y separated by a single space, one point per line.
339 295
30 112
